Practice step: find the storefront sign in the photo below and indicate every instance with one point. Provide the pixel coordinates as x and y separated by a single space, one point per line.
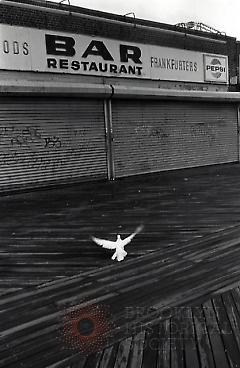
56 52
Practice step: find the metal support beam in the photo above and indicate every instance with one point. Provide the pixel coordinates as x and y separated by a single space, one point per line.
109 138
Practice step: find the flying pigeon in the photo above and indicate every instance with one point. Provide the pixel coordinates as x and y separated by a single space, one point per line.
118 245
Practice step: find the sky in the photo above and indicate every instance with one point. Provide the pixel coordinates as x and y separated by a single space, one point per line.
223 15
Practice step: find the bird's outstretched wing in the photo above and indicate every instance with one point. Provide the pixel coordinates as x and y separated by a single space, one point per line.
104 243
130 237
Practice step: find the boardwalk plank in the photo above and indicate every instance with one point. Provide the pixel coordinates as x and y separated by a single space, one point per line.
214 333
164 347
79 363
150 347
233 315
136 351
227 334
203 339
106 356
109 356
176 337
123 353
189 339
93 360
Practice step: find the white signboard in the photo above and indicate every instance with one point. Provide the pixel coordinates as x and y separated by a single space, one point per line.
215 68
175 64
57 52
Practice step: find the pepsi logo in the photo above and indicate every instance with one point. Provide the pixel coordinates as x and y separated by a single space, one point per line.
216 68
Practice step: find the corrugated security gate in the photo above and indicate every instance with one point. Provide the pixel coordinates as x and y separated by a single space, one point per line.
49 140
162 135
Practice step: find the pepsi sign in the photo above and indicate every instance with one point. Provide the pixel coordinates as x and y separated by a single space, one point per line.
215 68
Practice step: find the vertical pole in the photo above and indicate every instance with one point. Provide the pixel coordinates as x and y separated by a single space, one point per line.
109 138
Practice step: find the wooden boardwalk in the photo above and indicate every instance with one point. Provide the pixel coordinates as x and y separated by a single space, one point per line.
182 272
37 327
45 234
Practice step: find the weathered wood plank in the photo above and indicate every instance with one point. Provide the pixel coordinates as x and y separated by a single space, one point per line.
177 336
93 360
151 343
109 356
106 356
231 348
214 334
203 339
164 347
136 351
123 353
190 339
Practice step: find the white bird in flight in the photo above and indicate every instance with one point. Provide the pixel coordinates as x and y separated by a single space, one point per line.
118 245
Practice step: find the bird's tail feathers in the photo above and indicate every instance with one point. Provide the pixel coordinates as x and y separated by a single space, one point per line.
121 254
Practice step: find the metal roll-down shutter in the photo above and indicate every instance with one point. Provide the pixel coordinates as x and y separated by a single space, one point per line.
155 135
50 140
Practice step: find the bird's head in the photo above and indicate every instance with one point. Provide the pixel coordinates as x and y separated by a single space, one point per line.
118 237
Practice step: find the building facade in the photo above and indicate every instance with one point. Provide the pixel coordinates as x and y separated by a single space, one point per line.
90 95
